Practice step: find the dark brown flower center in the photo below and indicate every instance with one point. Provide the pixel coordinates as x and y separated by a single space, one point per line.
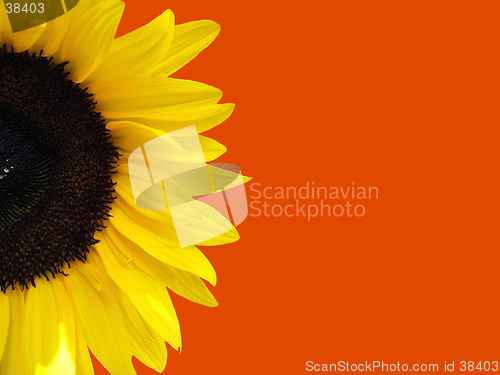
56 162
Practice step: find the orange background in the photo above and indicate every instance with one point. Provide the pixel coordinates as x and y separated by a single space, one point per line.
394 94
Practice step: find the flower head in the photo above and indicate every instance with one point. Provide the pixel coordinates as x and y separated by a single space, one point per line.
81 265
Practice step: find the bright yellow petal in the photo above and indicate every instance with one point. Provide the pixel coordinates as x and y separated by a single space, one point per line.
4 320
164 103
204 117
89 39
129 136
83 362
134 53
126 97
161 246
12 359
211 148
48 331
149 298
189 40
147 346
55 31
180 282
100 318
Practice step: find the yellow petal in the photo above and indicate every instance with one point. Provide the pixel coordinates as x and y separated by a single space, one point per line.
126 97
161 246
52 36
163 103
101 318
4 320
89 39
149 298
129 136
134 53
12 359
48 331
180 282
204 117
147 346
189 40
83 362
211 148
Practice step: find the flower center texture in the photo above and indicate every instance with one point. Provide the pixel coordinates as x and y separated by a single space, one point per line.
56 161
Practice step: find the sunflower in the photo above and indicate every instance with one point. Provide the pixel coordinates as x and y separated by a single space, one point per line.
81 265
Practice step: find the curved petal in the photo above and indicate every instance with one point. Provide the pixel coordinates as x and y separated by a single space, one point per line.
4 320
100 317
83 362
134 53
189 40
48 331
149 298
147 346
211 148
204 117
180 282
12 359
143 94
162 247
89 39
52 36
129 136
164 103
